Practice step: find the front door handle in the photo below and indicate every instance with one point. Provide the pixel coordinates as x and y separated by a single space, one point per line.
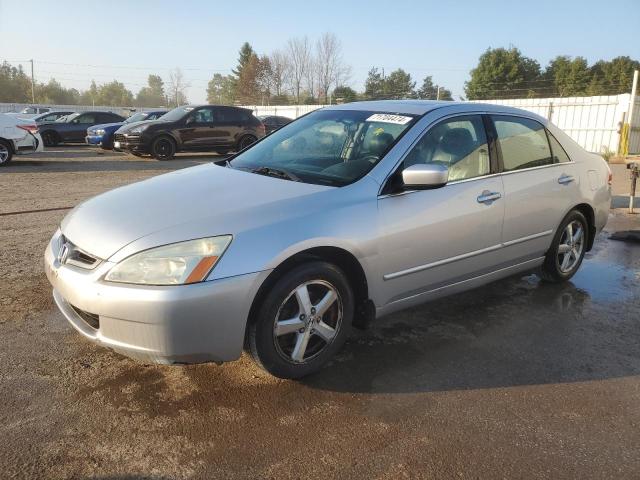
487 197
565 179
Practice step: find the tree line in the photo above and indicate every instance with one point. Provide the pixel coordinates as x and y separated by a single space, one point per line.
305 71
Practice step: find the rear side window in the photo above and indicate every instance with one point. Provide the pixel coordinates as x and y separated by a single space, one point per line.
523 143
559 155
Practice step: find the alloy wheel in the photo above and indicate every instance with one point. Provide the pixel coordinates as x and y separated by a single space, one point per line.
571 246
307 321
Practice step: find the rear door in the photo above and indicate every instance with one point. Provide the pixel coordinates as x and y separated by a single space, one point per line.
434 238
540 185
232 122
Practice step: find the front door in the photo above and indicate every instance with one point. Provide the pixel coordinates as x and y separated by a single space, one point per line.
198 132
434 238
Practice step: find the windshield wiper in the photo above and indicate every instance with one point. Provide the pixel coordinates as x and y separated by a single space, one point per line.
276 172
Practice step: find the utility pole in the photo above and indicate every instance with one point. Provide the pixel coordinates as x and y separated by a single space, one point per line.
438 94
384 84
33 84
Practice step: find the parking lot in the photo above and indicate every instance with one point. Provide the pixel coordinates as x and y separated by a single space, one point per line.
518 379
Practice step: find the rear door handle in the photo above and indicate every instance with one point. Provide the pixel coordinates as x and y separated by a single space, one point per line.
565 179
488 197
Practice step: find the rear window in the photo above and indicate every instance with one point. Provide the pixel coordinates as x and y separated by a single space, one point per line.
523 143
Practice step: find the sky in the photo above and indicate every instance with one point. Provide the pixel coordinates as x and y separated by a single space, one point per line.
77 41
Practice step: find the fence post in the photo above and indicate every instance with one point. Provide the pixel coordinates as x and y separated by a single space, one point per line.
628 127
550 114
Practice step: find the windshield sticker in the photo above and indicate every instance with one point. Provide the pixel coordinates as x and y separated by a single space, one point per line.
389 118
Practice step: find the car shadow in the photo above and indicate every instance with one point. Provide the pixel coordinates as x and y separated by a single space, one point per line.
513 332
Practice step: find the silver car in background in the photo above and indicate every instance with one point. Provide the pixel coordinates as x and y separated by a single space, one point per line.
346 214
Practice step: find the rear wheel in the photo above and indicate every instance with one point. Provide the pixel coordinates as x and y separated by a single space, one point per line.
246 141
163 148
567 250
303 321
6 152
50 138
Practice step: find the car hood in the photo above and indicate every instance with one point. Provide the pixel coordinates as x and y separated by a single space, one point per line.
217 200
127 127
105 125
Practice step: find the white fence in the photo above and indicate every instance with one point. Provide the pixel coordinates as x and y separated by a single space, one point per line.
126 111
291 111
594 122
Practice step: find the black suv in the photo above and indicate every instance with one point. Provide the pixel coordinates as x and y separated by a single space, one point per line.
191 128
74 127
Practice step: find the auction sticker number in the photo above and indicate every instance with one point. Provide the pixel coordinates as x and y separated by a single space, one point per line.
389 118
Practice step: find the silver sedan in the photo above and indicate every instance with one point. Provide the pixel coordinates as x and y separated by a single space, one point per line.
344 215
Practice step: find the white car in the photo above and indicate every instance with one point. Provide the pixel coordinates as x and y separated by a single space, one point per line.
17 136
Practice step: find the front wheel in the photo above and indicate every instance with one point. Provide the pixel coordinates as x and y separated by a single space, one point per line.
303 321
50 139
567 250
163 148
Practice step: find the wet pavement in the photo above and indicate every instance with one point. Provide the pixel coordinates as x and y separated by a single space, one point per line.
517 379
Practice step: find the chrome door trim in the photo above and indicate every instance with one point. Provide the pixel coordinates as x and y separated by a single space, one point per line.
527 238
477 277
420 268
445 261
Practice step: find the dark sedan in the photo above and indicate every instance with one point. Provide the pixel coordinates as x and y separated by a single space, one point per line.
191 128
274 122
74 127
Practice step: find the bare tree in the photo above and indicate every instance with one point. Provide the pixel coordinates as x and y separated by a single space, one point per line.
177 89
280 70
312 76
332 71
299 53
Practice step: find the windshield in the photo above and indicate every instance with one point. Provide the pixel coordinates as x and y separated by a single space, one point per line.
175 114
136 117
328 147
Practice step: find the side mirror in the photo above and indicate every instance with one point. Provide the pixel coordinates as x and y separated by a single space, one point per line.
424 176
189 121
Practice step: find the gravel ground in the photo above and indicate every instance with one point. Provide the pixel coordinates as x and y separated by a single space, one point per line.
517 379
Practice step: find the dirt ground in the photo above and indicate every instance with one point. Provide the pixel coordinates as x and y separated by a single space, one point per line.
517 379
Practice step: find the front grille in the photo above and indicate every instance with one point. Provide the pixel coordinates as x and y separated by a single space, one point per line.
90 319
126 139
74 255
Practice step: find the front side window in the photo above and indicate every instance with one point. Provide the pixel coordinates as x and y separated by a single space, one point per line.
204 115
327 147
459 143
86 118
523 143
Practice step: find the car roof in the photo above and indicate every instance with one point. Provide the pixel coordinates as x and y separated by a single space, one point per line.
421 107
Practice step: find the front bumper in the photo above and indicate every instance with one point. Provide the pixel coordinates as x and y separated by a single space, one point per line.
131 143
93 140
195 323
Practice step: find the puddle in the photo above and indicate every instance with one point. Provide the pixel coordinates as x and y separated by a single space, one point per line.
607 282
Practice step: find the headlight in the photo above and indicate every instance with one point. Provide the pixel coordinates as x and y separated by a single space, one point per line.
138 130
175 264
98 132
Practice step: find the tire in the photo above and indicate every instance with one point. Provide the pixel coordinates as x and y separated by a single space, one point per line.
308 340
245 141
565 256
50 138
163 148
6 152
